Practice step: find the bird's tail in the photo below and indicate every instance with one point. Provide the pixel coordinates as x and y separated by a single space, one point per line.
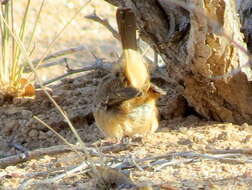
135 70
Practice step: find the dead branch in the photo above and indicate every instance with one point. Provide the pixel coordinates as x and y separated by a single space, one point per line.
96 66
11 160
56 55
168 159
58 62
231 151
60 53
220 158
69 173
44 173
165 163
103 22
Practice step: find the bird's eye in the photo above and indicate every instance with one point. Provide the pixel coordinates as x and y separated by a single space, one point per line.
117 74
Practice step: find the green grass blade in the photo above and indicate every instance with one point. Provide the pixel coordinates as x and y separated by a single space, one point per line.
5 44
17 51
35 25
24 21
2 43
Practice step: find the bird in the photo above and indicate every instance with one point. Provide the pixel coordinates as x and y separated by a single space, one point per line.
125 99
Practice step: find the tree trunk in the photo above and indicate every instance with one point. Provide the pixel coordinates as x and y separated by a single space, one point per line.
197 54
245 11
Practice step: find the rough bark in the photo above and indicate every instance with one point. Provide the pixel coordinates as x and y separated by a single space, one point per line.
195 55
245 12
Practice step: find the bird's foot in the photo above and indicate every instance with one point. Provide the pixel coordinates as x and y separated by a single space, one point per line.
110 141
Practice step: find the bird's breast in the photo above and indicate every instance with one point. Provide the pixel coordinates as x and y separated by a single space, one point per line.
141 119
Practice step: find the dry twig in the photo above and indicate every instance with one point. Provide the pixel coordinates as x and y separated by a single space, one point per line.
69 173
105 23
226 158
11 160
231 151
163 161
60 53
98 65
